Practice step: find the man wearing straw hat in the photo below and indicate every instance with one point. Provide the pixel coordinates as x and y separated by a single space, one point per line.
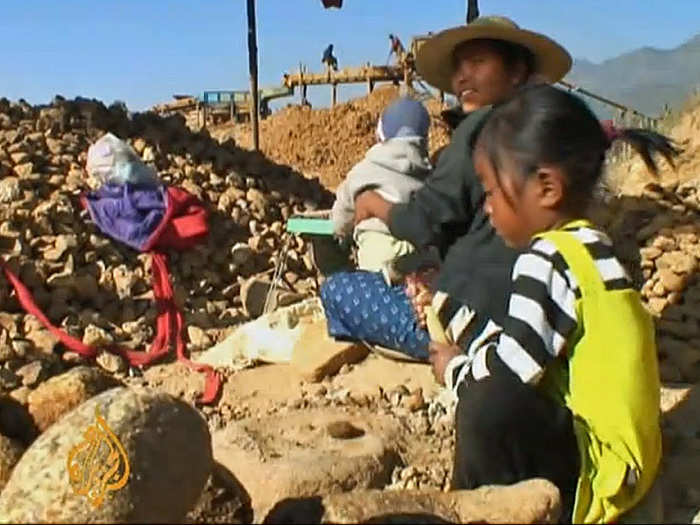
482 64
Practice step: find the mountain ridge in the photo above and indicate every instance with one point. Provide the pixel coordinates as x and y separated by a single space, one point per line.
645 79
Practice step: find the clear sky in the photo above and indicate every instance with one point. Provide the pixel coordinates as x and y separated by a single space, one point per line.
144 51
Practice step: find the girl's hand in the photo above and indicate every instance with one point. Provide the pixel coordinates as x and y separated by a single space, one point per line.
440 356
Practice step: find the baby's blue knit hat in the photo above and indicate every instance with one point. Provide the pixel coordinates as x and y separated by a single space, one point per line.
404 117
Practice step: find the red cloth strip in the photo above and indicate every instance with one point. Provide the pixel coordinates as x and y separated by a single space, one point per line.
168 316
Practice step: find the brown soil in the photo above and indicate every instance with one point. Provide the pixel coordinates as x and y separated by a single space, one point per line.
326 143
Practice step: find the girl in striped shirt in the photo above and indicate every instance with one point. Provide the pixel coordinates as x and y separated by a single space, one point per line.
567 388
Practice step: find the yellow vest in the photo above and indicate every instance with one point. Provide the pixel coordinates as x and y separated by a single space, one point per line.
610 382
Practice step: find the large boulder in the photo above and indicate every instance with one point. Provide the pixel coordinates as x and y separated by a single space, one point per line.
532 501
166 444
307 452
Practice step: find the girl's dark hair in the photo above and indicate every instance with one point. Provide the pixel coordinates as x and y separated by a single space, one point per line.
546 125
511 53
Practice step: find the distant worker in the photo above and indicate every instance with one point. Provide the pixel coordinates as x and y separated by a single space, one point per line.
396 47
328 59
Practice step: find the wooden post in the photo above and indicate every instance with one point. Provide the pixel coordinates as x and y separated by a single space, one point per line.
334 94
253 68
204 115
472 10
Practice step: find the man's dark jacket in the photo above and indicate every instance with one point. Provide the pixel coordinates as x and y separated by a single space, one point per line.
448 212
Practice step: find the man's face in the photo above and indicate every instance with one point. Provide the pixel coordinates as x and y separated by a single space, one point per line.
481 76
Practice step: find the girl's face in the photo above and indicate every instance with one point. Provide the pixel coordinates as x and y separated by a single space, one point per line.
481 76
519 207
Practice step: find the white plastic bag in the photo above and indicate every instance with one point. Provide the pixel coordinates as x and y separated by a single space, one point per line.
270 338
111 160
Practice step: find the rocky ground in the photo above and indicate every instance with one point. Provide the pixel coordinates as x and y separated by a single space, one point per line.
384 419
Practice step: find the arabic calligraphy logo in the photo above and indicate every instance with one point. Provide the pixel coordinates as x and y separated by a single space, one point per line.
98 464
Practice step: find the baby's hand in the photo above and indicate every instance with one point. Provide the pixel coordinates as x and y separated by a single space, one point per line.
365 204
419 293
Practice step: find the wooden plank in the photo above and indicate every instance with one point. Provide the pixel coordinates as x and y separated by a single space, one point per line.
604 100
351 75
310 226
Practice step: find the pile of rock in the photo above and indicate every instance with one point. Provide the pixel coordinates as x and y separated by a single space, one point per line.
100 290
657 232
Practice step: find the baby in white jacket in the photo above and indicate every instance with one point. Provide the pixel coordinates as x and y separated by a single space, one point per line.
394 167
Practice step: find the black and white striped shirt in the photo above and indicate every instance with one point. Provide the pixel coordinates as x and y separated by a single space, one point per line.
541 313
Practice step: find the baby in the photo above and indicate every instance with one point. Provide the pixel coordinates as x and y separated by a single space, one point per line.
395 167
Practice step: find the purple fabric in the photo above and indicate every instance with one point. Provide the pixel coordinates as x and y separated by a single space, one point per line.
128 213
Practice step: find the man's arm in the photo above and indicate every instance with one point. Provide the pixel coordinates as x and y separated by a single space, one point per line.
343 210
446 199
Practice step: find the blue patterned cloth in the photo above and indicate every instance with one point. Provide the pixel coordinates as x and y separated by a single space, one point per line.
361 306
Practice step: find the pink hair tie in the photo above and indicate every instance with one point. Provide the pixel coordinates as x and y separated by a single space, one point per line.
611 131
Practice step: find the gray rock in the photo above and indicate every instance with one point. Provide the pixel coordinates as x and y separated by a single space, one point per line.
241 254
299 455
110 362
9 189
168 447
33 372
8 379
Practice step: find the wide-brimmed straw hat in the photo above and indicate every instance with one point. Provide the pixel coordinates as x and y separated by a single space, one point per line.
434 57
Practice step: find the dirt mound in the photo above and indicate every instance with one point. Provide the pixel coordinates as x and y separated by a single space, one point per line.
326 143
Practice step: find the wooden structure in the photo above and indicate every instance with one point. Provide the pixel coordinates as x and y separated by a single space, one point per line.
218 106
403 70
620 108
348 75
182 104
